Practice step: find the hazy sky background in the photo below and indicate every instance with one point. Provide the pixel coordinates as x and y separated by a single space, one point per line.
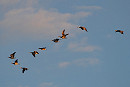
97 58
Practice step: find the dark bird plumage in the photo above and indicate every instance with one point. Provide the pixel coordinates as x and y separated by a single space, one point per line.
12 55
63 35
33 53
56 40
83 28
23 69
16 62
43 48
122 32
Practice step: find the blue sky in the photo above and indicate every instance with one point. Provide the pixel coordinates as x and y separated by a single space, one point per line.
97 58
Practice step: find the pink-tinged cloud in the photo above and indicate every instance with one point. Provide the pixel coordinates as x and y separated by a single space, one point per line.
64 64
37 24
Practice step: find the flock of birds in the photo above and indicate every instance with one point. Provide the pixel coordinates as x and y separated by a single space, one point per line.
12 56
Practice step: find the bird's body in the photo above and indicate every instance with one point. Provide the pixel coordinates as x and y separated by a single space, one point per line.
33 53
12 55
83 28
43 48
56 40
119 31
23 69
63 35
16 62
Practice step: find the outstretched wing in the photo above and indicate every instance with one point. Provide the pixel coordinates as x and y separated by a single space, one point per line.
33 54
23 70
16 61
63 32
12 55
66 34
84 29
121 32
39 48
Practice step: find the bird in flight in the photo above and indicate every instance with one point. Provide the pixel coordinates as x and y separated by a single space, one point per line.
16 62
33 53
23 69
12 55
119 31
83 28
43 48
56 40
63 35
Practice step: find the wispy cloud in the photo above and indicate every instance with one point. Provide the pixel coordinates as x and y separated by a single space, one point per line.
30 23
82 62
64 64
89 8
82 46
86 61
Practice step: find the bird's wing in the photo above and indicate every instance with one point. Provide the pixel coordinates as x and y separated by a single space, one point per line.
67 34
121 32
118 30
36 52
63 32
16 61
86 29
81 28
23 70
33 54
40 48
14 53
11 55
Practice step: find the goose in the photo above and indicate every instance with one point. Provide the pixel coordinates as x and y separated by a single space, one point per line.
23 69
33 53
12 55
119 31
63 35
56 40
83 28
43 48
16 62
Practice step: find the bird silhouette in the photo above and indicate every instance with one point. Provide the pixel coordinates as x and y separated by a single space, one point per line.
63 35
23 69
56 40
43 48
12 55
16 62
33 53
122 32
83 28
